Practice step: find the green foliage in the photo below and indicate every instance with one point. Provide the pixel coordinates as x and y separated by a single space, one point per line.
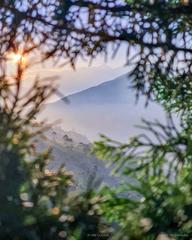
159 145
155 200
174 93
162 207
155 195
37 203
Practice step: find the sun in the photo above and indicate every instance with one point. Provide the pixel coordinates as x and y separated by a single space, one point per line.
17 57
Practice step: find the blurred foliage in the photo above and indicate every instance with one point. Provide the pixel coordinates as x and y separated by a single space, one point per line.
154 202
36 202
154 198
162 210
74 29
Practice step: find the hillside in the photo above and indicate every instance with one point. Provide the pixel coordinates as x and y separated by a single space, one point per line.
67 150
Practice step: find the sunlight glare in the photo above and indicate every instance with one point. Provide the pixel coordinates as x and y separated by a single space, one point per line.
17 58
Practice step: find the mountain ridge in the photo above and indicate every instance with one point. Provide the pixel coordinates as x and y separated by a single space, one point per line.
112 91
109 108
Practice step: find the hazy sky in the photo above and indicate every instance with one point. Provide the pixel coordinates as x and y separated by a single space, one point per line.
85 75
69 80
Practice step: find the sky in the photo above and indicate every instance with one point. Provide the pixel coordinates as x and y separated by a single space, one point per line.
84 76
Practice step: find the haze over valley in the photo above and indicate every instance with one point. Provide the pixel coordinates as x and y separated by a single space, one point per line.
108 108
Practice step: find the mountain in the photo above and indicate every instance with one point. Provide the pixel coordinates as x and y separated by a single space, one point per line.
70 81
110 92
73 151
59 135
108 108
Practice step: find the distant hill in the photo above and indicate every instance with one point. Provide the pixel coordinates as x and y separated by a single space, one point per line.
71 81
73 151
109 108
110 92
59 135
